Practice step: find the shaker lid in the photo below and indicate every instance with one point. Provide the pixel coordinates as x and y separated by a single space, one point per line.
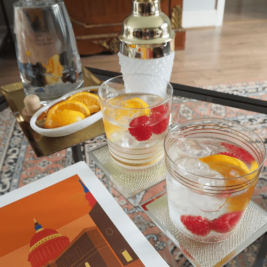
146 28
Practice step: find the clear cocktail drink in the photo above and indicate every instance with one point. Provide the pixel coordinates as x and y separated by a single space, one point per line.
212 169
136 120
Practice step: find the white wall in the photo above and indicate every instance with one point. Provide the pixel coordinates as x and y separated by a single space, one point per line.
196 5
202 13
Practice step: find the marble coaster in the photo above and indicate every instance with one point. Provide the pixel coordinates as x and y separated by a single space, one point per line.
252 226
127 181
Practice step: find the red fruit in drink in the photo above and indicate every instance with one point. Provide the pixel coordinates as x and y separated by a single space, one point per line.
239 153
226 222
140 128
160 122
197 225
162 109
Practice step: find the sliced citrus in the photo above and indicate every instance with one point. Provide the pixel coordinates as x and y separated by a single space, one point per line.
63 118
111 128
90 100
133 107
69 105
231 167
94 109
54 67
254 165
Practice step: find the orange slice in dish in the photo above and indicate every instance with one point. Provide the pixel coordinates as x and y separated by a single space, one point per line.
90 100
63 118
52 120
70 105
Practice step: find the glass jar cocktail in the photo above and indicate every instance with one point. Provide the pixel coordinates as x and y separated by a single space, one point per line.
136 110
212 166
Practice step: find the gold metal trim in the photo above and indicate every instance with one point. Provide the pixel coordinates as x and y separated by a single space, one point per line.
96 36
112 45
50 237
12 87
147 51
95 25
176 18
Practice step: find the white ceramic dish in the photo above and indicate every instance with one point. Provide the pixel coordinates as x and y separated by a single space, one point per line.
68 129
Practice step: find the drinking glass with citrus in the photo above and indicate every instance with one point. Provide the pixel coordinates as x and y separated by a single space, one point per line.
136 113
212 167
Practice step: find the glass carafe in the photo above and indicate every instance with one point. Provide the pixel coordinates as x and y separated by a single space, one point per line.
48 59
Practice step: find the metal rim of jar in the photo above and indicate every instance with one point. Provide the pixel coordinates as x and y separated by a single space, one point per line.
211 190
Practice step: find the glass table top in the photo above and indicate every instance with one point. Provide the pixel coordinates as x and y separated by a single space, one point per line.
188 103
247 107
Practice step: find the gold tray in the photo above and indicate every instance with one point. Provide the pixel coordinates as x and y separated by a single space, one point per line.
42 145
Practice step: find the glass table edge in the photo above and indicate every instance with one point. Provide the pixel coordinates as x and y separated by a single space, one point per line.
200 94
228 257
120 189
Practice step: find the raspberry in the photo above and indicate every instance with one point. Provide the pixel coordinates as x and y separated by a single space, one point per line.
162 109
238 153
197 225
160 123
140 128
226 222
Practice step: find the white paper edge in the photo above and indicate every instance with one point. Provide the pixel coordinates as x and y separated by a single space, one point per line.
141 246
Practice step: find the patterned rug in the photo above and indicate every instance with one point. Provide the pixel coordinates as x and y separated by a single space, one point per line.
19 166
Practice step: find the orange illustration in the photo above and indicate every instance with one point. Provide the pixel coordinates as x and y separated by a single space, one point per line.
70 229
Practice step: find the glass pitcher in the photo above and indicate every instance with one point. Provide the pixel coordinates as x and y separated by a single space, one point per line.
48 59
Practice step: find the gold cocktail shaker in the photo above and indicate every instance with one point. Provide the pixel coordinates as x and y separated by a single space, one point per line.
147 41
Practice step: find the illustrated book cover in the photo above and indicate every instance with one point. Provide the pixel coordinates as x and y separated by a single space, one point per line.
69 219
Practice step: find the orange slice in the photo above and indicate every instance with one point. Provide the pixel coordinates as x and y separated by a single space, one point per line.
110 128
54 67
228 166
231 167
131 104
90 100
69 105
63 118
135 103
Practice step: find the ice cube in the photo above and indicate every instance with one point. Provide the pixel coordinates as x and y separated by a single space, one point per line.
190 202
199 172
212 146
188 148
194 148
192 167
196 171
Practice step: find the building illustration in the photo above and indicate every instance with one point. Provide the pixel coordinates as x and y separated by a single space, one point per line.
45 245
96 246
88 247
